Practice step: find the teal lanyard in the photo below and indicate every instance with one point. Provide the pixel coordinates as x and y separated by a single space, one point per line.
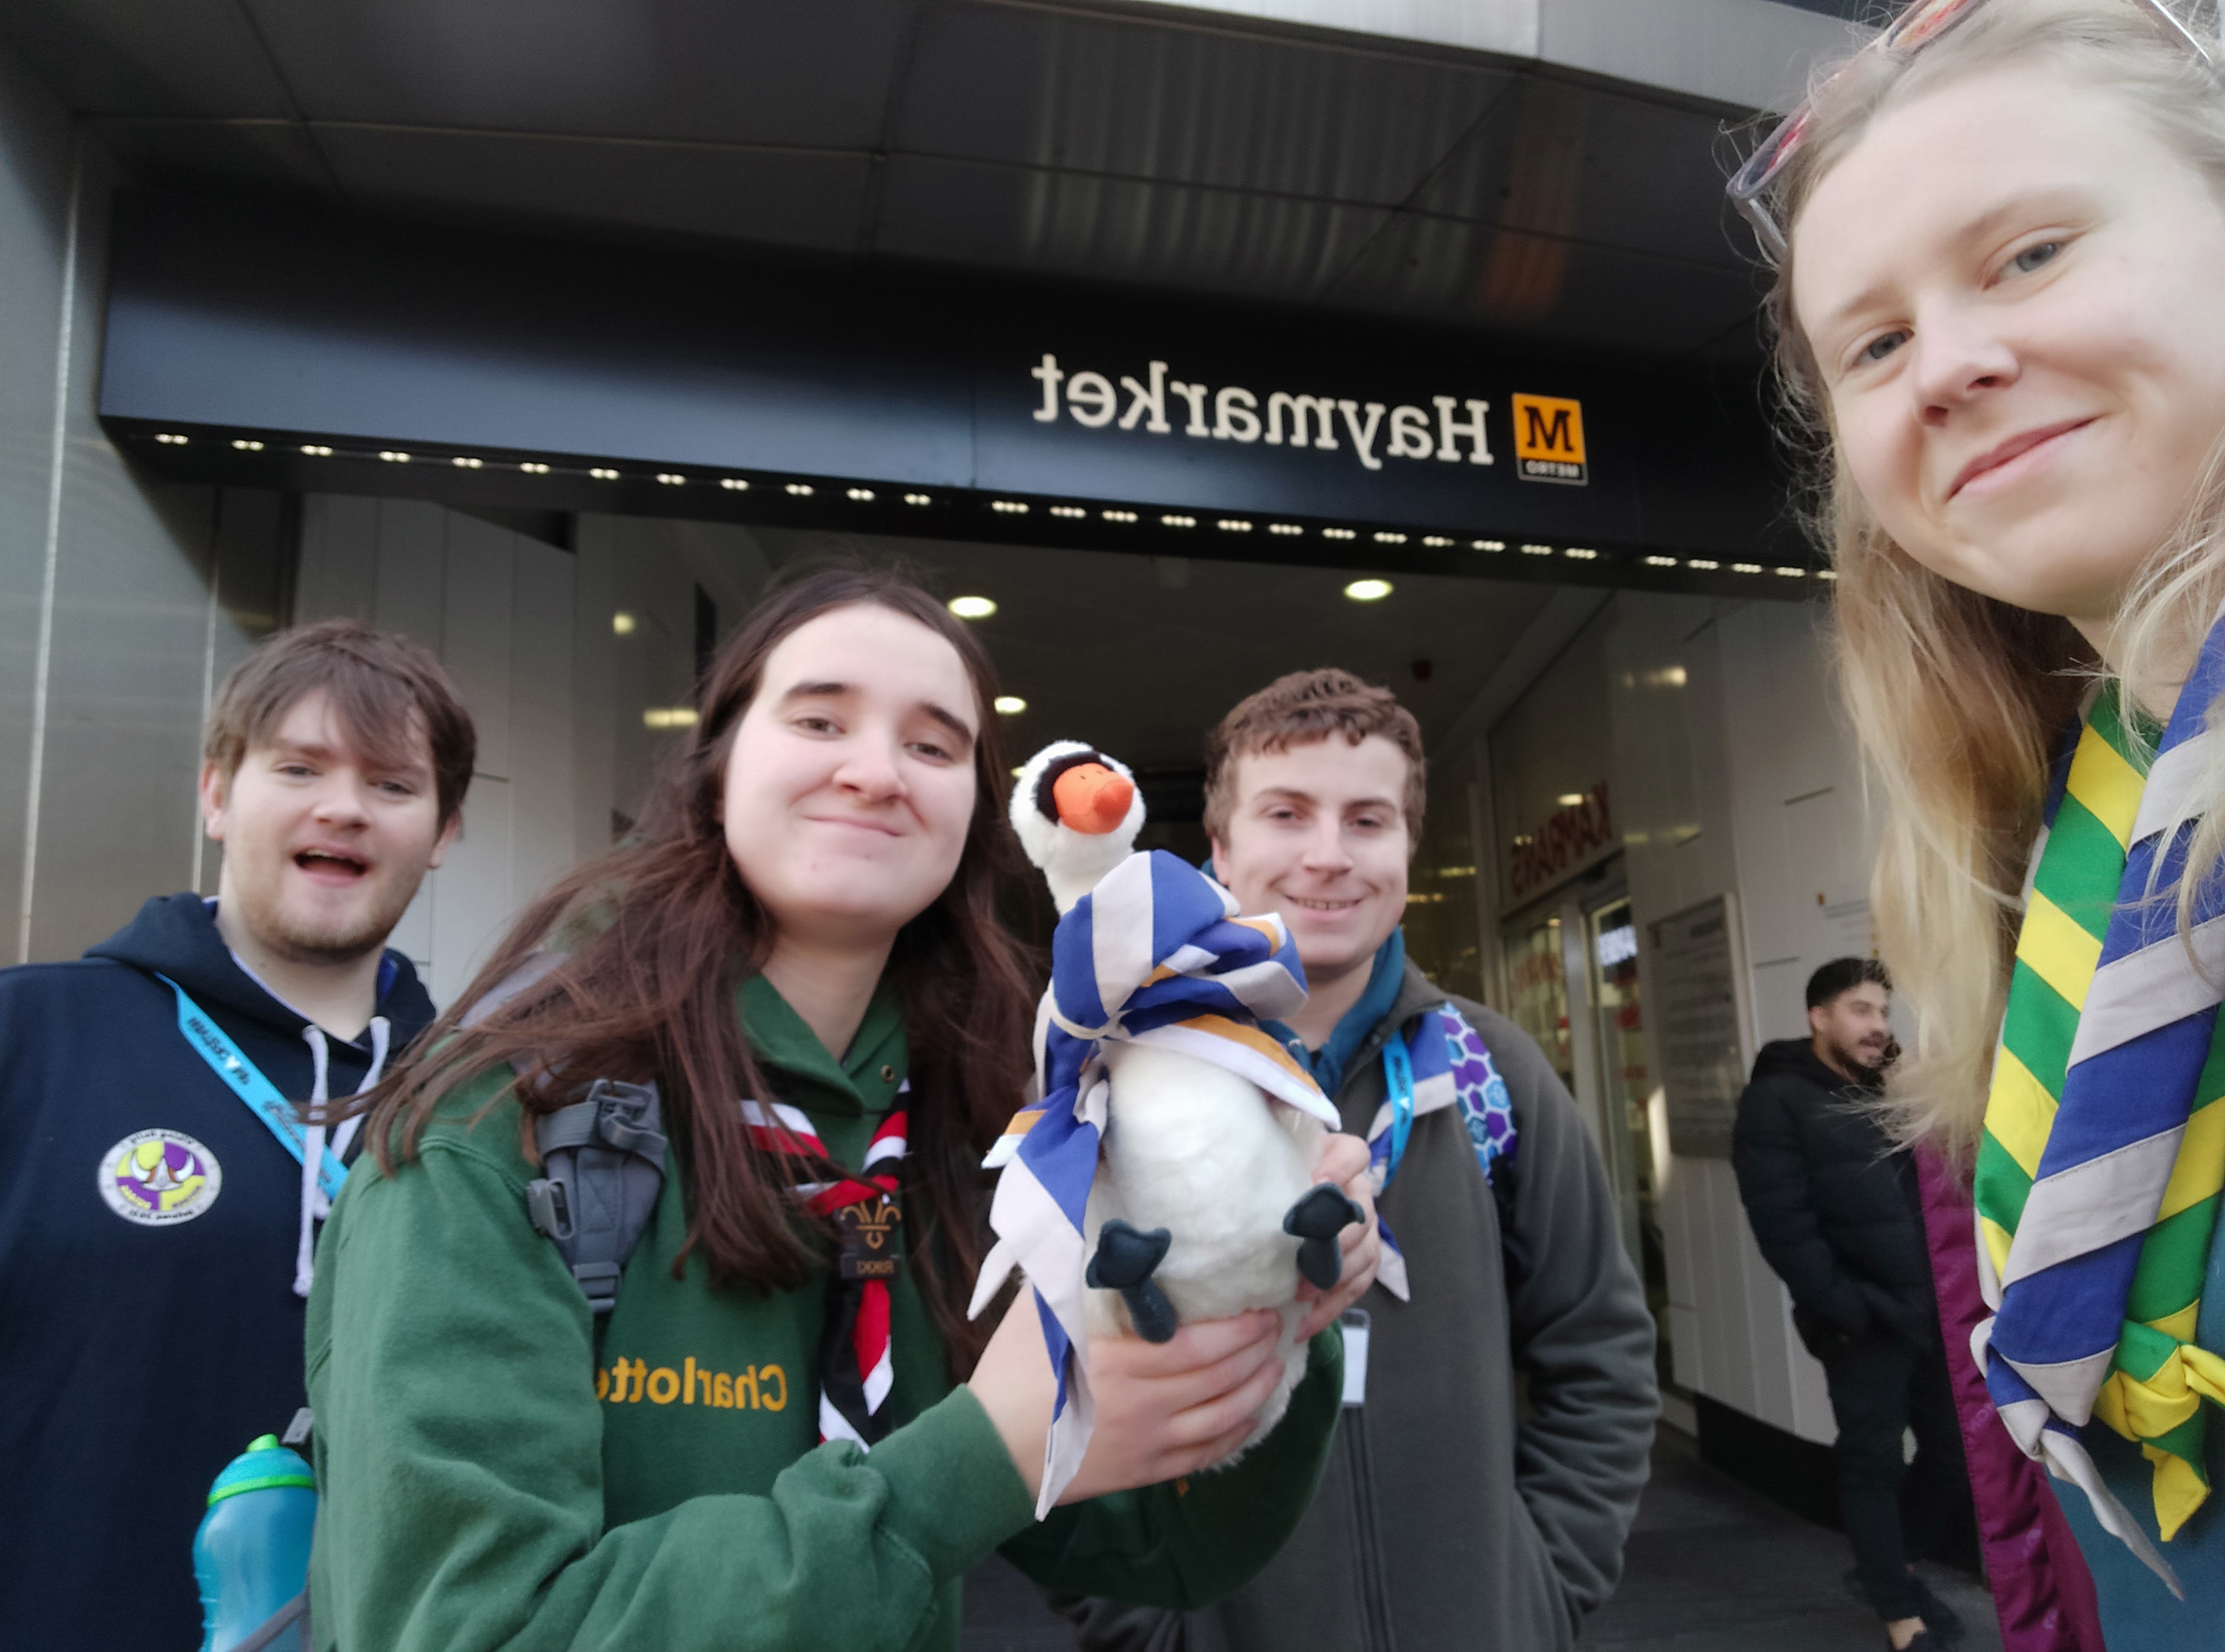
246 1081
1399 1080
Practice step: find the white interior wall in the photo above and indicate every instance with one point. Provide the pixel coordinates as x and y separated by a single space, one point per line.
121 599
1732 773
649 569
497 607
1807 839
556 694
1554 740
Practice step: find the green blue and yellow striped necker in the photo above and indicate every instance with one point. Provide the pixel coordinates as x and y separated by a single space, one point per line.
2099 1173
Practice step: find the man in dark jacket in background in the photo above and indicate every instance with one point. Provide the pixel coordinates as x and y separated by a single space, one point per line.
156 1225
1836 1211
1462 1507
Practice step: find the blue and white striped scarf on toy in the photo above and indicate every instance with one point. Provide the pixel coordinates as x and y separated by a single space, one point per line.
1155 954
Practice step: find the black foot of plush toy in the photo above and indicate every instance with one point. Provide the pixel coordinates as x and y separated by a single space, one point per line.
1317 1219
1125 1260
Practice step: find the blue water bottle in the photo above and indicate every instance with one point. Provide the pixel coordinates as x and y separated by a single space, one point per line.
251 1554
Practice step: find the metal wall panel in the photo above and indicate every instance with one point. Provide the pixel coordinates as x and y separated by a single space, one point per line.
134 622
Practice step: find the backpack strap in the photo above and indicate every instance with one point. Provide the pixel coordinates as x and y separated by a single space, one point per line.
1487 1115
527 974
604 1156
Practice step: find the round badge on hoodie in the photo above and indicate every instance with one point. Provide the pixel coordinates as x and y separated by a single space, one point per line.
158 1179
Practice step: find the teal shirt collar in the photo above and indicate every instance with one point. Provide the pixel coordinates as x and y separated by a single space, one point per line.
1384 980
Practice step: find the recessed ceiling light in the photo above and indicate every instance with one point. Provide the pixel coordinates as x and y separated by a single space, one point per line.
1368 590
622 623
1569 800
972 607
1009 705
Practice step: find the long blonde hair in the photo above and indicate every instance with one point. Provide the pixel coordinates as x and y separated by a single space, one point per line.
1960 701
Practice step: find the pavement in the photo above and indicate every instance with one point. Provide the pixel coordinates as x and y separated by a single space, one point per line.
1710 1568
1713 1567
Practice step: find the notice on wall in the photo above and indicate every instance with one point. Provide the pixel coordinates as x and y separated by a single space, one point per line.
1702 1058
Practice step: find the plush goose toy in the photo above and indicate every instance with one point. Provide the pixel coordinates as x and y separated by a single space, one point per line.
1200 1196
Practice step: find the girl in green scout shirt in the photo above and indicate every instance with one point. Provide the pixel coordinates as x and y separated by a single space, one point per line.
806 920
2000 240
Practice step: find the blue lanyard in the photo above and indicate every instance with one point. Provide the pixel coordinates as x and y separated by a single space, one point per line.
1399 1080
246 1081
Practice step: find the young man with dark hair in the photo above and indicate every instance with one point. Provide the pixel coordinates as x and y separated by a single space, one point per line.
1461 1508
159 1189
1836 1211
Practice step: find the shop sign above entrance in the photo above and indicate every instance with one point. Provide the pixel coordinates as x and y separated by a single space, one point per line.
1575 835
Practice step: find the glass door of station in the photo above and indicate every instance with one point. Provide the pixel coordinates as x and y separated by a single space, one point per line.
1632 1101
1573 985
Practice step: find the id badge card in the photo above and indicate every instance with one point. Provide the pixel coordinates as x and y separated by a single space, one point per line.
1356 1325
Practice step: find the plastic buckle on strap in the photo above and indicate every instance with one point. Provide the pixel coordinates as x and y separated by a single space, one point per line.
550 1211
599 1283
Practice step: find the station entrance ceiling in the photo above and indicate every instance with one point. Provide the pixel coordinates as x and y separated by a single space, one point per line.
1146 146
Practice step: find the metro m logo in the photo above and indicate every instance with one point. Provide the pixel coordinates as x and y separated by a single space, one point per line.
1549 440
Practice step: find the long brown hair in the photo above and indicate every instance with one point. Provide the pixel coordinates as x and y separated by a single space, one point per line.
1961 700
659 933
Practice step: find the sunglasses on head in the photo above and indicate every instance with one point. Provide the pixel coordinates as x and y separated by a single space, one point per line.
1916 27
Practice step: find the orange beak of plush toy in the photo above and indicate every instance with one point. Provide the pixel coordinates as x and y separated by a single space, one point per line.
1092 798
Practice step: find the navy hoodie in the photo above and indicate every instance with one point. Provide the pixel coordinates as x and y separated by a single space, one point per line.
142 1347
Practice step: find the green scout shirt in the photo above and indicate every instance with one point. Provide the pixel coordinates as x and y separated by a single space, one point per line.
492 1476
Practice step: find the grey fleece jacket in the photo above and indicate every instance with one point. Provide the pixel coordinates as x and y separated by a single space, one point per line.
1464 1506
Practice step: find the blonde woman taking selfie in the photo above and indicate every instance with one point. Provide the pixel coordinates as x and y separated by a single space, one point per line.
2001 299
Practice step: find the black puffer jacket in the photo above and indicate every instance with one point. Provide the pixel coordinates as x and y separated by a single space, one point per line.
1835 1208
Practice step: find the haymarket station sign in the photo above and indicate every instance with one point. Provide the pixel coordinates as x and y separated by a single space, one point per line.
1549 430
287 348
